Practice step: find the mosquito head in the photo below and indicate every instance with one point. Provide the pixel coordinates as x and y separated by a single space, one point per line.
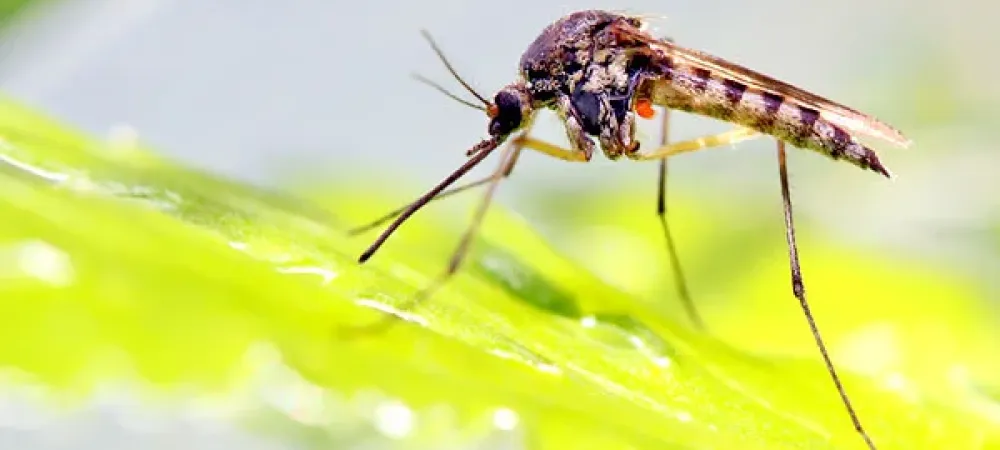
509 110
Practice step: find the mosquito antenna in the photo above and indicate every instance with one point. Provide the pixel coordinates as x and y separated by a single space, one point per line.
444 91
480 152
454 73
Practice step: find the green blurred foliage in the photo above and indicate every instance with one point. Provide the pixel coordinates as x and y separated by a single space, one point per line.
116 265
10 8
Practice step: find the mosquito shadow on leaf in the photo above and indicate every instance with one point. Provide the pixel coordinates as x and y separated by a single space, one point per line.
523 282
528 285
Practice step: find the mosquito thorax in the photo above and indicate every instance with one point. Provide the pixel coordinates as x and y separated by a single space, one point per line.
511 106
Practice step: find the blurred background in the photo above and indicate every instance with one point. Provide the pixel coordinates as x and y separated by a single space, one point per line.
304 94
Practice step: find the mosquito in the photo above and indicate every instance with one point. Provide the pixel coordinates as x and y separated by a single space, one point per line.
598 70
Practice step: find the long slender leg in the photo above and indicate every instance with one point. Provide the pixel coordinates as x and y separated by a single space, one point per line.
661 211
460 251
520 142
456 190
798 288
477 155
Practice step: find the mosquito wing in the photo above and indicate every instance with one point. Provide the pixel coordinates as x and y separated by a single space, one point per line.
836 113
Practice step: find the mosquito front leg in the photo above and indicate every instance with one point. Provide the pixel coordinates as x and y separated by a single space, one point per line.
478 153
693 145
457 257
550 149
507 170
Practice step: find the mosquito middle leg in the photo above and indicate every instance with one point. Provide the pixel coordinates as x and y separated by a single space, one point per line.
692 145
680 282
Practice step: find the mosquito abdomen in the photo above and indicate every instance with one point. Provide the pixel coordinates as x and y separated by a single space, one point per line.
698 91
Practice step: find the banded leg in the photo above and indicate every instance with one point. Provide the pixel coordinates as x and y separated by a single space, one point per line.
798 288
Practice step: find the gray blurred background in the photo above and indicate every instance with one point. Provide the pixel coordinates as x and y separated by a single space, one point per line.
263 90
259 90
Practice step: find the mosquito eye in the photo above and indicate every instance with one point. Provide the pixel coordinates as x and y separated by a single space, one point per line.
508 103
508 113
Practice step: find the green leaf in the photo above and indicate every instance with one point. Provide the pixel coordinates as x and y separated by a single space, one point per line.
117 265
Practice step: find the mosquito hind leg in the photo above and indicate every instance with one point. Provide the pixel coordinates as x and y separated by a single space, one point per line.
680 282
798 288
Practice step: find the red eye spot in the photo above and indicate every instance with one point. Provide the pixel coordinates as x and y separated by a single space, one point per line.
644 108
492 111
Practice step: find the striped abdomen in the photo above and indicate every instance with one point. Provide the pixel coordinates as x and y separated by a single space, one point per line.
697 90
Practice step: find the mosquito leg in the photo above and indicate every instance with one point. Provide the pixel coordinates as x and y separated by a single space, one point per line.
716 140
798 288
552 150
460 251
448 193
456 190
581 147
477 219
478 154
661 211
